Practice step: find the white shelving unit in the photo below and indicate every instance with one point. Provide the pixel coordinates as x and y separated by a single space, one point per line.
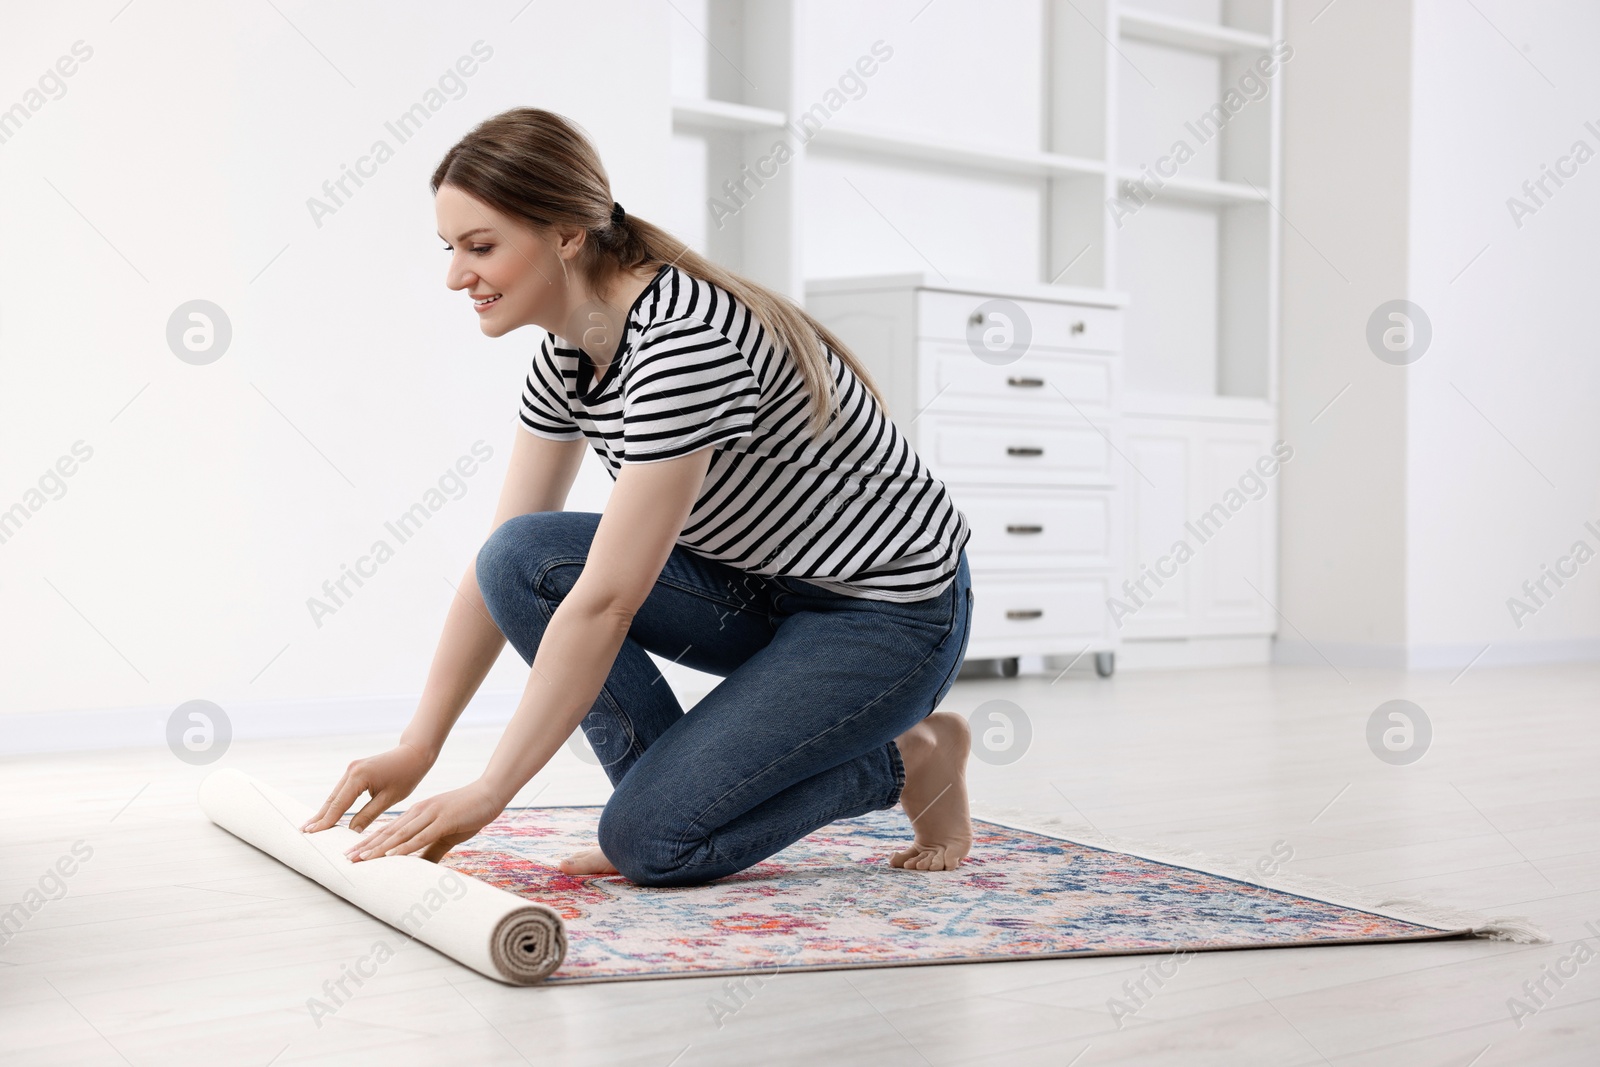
1113 87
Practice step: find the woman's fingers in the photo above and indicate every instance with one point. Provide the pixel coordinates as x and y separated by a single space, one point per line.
402 841
316 816
344 794
432 827
398 830
421 838
372 840
371 810
427 834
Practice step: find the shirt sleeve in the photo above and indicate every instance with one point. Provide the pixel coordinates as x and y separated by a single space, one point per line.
544 411
688 386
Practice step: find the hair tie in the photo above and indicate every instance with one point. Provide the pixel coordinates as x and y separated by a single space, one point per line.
617 214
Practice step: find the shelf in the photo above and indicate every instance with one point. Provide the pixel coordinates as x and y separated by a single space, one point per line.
1138 404
721 115
1070 294
1200 190
957 153
1195 36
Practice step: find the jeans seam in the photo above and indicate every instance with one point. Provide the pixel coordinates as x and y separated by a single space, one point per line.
956 666
898 764
694 590
634 748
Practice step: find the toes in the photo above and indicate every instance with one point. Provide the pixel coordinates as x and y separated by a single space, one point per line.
927 858
589 861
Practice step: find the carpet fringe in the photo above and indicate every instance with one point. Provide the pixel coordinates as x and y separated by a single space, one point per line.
1514 928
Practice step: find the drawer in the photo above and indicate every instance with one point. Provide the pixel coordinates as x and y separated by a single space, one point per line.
1039 529
1014 451
1004 328
1065 610
949 374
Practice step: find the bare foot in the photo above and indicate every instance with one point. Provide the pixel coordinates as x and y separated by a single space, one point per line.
935 794
589 861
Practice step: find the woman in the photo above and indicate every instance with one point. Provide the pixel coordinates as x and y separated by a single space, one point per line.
768 524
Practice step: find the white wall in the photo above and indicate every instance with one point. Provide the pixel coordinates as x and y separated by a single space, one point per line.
953 74
178 560
1514 332
1346 137
1424 498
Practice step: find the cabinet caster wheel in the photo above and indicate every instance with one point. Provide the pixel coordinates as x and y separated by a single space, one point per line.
1008 667
1105 663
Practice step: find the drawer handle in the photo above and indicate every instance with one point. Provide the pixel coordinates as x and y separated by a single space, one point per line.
1026 383
1077 327
1023 613
1018 528
1023 450
975 319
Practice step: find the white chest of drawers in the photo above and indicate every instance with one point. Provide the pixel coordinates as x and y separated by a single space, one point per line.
1012 395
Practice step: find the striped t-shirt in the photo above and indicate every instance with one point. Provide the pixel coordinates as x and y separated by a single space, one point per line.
860 514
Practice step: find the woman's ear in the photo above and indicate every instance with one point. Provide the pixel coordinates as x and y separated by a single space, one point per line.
570 241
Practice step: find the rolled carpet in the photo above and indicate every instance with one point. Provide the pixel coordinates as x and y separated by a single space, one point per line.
496 933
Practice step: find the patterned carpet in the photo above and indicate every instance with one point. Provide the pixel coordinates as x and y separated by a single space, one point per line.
832 901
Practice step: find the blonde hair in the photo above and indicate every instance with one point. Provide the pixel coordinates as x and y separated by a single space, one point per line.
539 167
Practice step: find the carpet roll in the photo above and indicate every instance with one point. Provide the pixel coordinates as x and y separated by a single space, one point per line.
498 934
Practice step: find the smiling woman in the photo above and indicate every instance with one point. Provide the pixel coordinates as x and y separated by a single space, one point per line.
769 524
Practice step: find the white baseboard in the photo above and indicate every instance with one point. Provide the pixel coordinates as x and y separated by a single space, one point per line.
1144 654
1141 654
1340 654
1451 657
1149 654
146 727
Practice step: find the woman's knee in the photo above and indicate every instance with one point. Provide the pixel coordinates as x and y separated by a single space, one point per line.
643 845
515 552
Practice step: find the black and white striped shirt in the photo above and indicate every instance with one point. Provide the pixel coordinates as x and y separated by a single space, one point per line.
859 515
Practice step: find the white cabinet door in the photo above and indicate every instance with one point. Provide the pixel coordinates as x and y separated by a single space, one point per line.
1239 575
1201 527
1158 601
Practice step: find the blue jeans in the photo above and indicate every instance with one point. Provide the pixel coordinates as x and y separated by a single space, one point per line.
799 732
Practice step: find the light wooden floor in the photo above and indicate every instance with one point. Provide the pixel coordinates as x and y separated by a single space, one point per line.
176 943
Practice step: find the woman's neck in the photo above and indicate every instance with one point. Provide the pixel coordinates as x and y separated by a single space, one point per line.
599 322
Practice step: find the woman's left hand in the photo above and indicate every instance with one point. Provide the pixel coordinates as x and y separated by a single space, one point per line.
433 826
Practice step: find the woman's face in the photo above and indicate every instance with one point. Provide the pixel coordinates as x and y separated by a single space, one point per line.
495 256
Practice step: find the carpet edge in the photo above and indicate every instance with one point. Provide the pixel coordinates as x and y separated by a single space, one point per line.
1518 929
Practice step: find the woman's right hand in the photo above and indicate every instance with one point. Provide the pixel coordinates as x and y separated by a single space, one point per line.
388 777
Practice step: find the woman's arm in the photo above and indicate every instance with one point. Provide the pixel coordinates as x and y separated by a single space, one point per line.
648 508
538 478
